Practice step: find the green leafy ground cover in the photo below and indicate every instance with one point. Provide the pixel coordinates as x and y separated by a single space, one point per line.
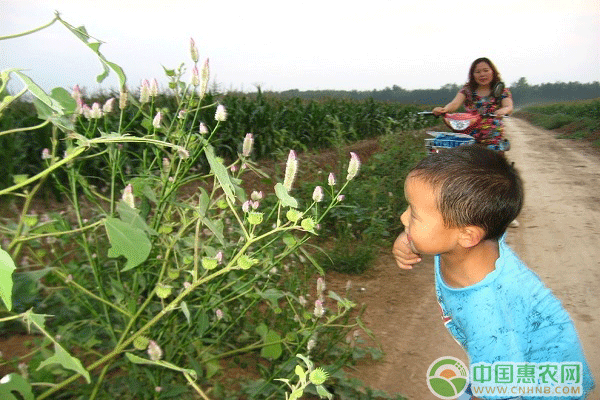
572 120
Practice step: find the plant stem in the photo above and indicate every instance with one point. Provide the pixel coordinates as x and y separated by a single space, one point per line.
196 387
84 290
16 35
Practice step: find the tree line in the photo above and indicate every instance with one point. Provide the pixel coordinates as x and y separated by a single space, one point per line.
523 93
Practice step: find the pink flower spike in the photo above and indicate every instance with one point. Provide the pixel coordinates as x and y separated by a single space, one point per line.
157 120
96 111
246 206
319 310
256 195
145 91
291 168
86 111
46 154
331 179
320 286
108 106
154 88
195 76
318 194
154 351
205 76
247 145
123 98
219 314
203 128
193 51
128 196
353 166
221 113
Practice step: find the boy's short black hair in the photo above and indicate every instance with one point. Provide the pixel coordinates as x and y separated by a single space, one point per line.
476 186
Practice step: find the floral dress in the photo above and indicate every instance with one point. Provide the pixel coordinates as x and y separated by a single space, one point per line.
490 130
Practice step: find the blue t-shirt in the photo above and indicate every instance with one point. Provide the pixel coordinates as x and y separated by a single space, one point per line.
510 316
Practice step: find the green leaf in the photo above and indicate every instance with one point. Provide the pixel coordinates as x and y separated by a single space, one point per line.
132 217
186 311
82 34
272 349
160 363
296 394
15 383
215 228
64 98
284 196
38 320
220 172
128 241
312 261
66 361
39 93
272 295
301 374
45 112
322 392
20 178
7 267
262 330
343 302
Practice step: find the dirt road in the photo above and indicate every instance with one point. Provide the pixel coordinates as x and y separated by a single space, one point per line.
558 237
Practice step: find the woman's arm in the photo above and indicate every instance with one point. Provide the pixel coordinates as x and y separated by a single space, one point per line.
452 106
507 107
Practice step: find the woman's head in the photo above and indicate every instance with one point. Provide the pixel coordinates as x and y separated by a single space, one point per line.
482 73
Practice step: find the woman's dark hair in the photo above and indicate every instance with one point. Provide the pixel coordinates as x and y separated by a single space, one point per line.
475 186
495 79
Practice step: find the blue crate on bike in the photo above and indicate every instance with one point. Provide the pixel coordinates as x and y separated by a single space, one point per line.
449 141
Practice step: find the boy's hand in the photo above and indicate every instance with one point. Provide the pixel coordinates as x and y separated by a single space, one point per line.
405 257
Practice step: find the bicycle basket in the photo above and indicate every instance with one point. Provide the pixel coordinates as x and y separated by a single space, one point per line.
462 122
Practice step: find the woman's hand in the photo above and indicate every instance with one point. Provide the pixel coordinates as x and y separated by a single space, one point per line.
405 257
439 110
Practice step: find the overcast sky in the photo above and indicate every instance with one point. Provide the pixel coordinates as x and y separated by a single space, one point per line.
312 44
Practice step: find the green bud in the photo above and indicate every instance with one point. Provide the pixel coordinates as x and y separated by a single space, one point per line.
255 218
245 262
222 204
141 342
318 376
209 263
308 224
293 215
163 291
173 273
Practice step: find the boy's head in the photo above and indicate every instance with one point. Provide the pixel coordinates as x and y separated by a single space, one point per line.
474 186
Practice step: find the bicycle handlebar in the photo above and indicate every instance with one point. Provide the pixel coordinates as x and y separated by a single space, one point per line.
483 115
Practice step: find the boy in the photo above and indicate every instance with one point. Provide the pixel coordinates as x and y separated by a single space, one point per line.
460 202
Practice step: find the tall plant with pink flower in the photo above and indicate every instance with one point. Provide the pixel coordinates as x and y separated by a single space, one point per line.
164 277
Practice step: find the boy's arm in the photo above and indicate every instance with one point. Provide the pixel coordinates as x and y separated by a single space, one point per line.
405 257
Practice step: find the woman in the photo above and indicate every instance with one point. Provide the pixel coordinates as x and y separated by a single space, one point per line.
477 97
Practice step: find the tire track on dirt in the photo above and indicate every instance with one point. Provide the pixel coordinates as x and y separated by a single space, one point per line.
559 236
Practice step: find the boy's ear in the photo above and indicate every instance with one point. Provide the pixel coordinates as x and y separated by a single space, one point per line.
471 236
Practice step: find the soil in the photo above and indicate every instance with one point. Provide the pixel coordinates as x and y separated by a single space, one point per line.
558 237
